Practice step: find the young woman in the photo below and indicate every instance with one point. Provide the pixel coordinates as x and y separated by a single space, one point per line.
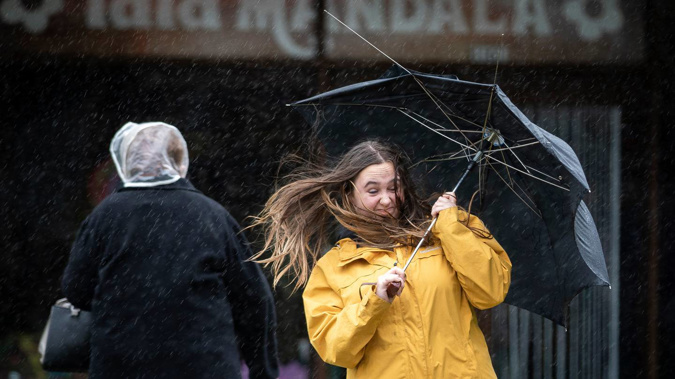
425 329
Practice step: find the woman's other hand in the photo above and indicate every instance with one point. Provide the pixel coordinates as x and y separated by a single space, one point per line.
447 200
394 277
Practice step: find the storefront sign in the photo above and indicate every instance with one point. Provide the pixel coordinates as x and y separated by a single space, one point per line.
520 31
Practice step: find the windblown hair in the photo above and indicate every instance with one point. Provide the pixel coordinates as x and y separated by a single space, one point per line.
299 217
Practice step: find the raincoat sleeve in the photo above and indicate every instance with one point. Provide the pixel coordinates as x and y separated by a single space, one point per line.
482 266
340 332
252 308
81 274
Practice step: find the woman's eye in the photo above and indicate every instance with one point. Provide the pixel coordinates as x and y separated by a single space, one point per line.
372 191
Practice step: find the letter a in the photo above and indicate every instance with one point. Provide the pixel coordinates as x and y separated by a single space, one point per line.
200 14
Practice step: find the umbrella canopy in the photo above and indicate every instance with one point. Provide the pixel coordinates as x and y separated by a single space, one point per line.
531 182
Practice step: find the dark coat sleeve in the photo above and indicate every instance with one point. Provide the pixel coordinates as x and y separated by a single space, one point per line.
81 274
252 308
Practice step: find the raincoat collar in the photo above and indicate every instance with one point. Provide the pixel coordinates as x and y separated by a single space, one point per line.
349 251
180 184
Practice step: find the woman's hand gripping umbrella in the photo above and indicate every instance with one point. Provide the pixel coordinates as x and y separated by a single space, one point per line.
394 286
447 200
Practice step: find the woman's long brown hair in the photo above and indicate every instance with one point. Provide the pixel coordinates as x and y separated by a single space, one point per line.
299 217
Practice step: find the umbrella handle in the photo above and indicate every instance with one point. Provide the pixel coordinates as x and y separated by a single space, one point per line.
393 289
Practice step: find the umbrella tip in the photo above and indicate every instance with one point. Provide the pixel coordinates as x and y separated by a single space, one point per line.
288 105
610 286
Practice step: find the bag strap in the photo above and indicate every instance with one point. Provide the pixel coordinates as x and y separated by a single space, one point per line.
64 303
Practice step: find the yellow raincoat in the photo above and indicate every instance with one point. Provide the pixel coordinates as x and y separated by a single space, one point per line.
431 330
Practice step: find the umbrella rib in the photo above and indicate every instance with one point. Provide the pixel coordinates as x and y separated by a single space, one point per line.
368 42
528 168
482 127
460 131
508 172
437 132
513 181
419 82
489 110
441 158
453 114
449 154
516 147
434 159
466 155
543 173
487 114
514 154
352 104
525 193
516 193
482 175
437 103
526 173
407 112
450 130
488 155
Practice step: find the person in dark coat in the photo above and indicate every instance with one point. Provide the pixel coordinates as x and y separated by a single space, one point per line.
164 271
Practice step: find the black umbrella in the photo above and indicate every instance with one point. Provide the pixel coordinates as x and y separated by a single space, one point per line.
531 183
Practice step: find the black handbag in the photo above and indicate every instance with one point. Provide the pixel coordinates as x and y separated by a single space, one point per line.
64 344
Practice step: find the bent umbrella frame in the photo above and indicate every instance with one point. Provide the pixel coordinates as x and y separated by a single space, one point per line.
531 183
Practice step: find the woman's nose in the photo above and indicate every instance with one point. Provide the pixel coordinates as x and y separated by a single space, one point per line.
385 200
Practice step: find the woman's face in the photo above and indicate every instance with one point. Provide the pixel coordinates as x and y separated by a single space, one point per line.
375 190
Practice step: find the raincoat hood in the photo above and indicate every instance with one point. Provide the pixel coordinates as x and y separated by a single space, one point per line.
149 154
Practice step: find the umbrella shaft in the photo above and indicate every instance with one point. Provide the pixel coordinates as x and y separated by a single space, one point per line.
420 243
475 159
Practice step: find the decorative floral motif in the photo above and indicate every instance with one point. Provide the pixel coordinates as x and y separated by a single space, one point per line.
590 27
34 20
